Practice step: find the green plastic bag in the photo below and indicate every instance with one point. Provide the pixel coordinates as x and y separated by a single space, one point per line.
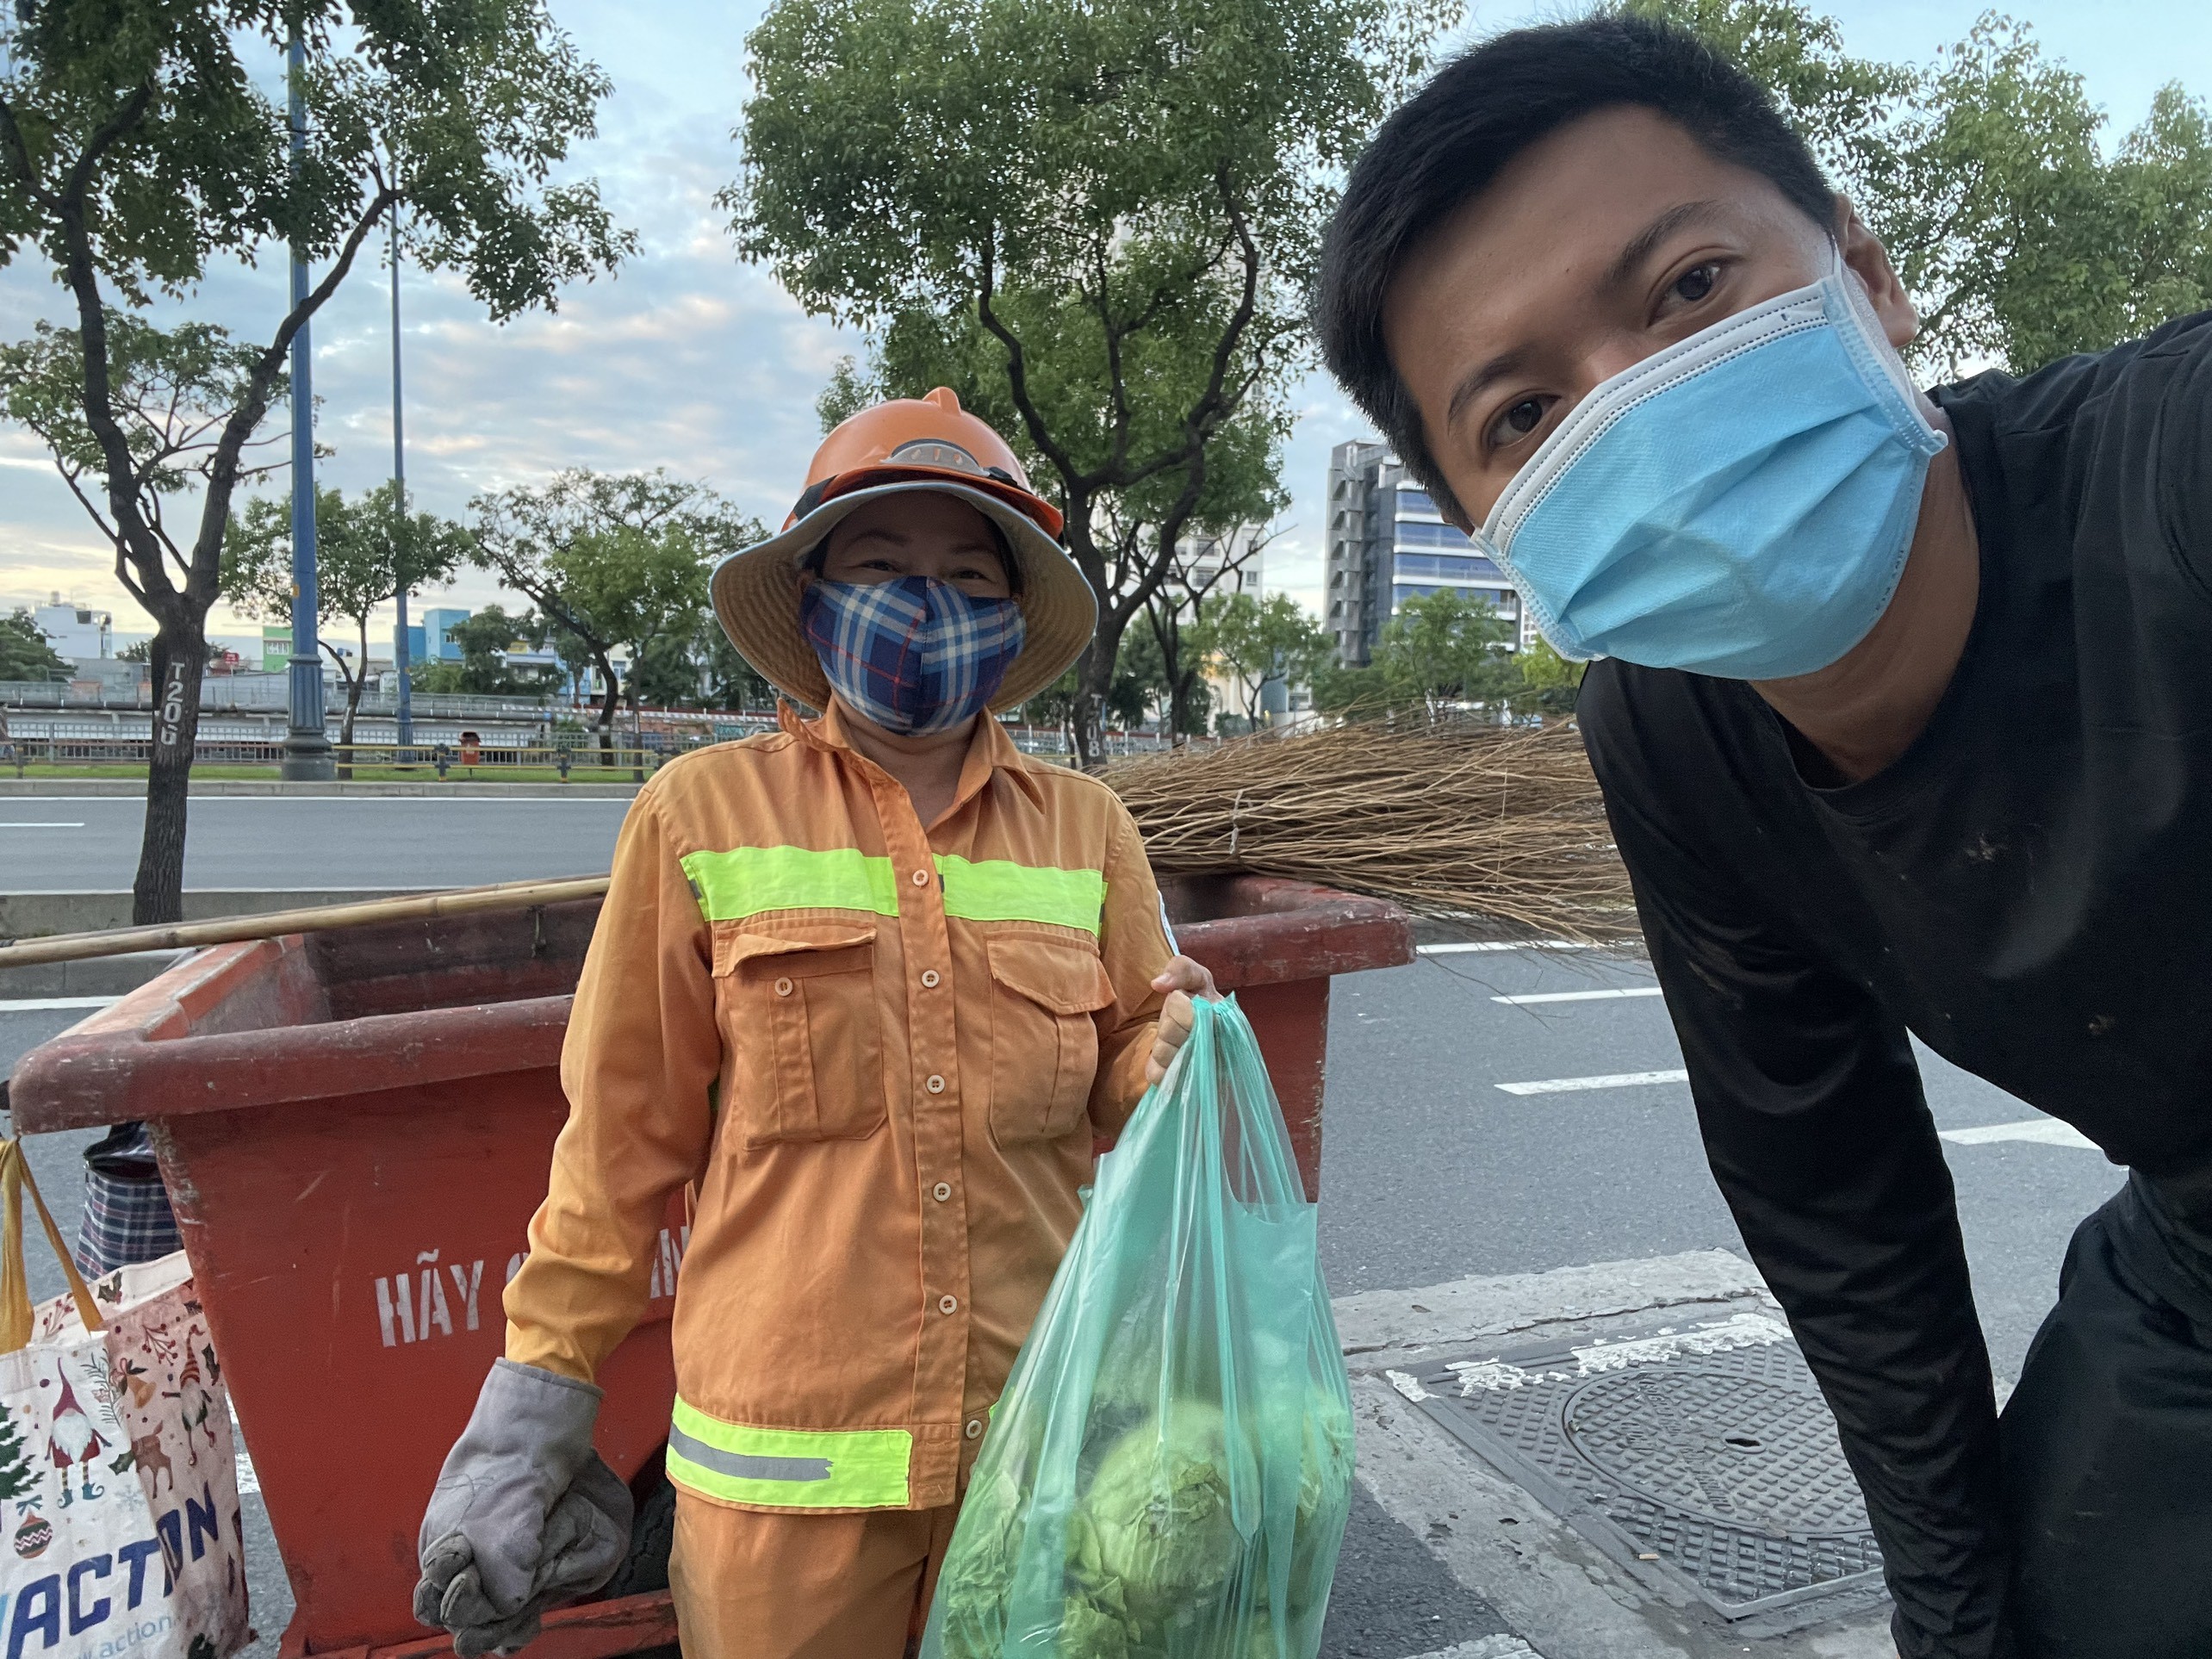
1168 1472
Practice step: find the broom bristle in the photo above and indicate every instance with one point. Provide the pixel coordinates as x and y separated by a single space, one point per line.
1450 815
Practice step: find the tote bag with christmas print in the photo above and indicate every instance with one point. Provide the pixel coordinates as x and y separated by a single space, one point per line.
119 1506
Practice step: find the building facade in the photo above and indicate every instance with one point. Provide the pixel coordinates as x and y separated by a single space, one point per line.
1388 543
74 632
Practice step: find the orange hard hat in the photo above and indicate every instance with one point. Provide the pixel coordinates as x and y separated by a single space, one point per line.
920 439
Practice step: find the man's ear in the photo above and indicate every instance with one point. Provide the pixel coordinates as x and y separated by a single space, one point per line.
1865 256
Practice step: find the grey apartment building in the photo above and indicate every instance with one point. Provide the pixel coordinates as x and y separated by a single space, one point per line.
1388 543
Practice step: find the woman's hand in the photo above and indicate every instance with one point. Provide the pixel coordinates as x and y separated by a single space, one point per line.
1181 979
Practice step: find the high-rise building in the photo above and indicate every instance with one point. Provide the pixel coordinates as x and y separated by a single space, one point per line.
1388 543
75 631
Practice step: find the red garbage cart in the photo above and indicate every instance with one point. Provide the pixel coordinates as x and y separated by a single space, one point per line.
355 1128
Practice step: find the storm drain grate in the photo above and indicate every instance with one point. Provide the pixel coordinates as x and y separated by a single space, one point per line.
1707 1447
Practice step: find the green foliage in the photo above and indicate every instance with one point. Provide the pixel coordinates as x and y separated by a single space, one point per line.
25 653
368 551
458 107
1251 639
139 650
612 560
1094 220
1984 175
142 144
485 636
731 681
1445 647
366 554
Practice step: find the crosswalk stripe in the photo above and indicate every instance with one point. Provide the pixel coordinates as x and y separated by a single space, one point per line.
1461 946
1532 998
2039 1131
1612 1080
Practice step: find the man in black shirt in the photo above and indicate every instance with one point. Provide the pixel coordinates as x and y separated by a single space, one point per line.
1904 720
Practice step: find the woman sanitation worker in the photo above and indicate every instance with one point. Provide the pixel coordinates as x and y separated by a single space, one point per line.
871 983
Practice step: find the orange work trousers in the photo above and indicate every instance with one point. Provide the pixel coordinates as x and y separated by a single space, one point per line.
797 1586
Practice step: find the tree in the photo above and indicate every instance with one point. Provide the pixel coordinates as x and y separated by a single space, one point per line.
1441 647
138 146
612 561
367 553
1256 640
731 681
1983 173
1094 220
25 652
138 650
486 638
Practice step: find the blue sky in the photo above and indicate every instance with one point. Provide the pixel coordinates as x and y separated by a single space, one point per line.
688 359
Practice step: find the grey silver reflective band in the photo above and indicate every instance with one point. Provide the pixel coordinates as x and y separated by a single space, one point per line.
742 1466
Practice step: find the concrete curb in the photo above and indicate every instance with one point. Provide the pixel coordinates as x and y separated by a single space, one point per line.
63 788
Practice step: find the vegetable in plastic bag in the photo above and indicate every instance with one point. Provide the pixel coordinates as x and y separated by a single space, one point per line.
1168 1473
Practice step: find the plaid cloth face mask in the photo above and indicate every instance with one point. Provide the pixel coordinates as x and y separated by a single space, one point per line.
914 655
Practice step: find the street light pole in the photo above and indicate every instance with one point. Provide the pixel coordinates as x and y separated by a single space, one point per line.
401 657
307 746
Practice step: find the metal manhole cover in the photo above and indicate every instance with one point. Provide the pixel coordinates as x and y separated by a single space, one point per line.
1709 1448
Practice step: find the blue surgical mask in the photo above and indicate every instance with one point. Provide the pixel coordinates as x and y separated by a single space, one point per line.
1740 504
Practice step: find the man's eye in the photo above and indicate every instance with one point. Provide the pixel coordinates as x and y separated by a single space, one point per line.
1694 285
1519 420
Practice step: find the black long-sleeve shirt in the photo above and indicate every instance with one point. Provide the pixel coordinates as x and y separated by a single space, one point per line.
2029 889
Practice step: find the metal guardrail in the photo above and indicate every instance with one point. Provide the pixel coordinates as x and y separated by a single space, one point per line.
443 761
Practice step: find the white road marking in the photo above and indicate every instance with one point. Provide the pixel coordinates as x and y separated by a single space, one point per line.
1612 1080
1576 995
1460 947
39 824
2039 1131
41 1005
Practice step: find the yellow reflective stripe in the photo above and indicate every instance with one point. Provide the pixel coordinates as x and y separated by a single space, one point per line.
789 1469
746 880
996 889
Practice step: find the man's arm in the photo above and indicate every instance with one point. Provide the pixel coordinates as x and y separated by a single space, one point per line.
639 1065
1810 1108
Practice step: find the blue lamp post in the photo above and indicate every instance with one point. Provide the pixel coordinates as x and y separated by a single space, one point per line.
307 746
402 663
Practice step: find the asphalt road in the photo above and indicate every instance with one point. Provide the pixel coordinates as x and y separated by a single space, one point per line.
62 843
1431 1170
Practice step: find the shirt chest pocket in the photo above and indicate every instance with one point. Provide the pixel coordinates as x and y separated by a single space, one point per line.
1044 1042
801 1016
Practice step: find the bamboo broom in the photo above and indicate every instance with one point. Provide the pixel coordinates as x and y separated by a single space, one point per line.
1447 815
181 935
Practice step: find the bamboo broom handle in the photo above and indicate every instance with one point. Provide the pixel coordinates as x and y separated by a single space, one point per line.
458 901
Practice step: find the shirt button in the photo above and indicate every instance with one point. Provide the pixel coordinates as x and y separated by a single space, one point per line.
921 877
783 987
949 1304
930 978
974 1428
942 1192
935 1086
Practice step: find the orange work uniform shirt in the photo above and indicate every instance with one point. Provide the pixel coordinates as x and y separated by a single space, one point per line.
881 1053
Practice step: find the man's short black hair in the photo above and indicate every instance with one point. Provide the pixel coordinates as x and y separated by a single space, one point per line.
1446 144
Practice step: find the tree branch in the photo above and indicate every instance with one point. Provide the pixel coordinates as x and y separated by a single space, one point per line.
222 470
1017 381
20 152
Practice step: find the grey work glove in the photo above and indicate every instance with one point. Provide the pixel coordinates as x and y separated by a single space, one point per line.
525 1513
